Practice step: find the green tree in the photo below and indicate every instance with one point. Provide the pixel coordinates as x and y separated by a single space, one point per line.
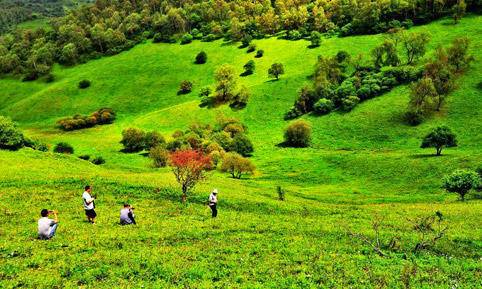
226 83
422 96
11 137
298 134
458 10
242 145
457 53
415 45
133 140
315 38
236 165
276 70
439 138
461 182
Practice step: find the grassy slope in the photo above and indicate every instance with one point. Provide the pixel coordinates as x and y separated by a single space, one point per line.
362 164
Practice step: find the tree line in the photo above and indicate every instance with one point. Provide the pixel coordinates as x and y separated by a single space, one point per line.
110 26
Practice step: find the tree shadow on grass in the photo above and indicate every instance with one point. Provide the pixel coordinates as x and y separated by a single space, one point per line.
424 156
246 73
311 46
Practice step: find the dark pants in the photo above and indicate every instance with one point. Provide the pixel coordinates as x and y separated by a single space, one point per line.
214 210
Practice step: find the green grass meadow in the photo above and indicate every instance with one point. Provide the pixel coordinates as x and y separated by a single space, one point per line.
362 166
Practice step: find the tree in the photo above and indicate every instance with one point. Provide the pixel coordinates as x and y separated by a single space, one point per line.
422 96
458 10
315 39
461 182
185 87
323 106
63 148
242 145
11 138
298 134
133 139
249 67
159 156
415 45
439 138
236 165
457 53
276 70
153 139
201 57
226 83
189 167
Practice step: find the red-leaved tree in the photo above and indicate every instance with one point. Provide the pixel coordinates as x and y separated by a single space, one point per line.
189 167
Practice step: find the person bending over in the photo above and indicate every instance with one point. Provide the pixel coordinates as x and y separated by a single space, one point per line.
47 226
127 215
89 205
213 201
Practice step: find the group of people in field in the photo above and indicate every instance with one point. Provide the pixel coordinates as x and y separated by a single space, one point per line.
47 226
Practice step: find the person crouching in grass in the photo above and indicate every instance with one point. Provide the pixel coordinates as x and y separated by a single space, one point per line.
89 205
47 226
127 215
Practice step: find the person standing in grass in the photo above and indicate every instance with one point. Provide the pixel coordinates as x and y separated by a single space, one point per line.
213 201
46 226
89 205
127 215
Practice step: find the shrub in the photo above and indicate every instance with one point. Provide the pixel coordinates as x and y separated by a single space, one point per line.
439 138
49 78
251 48
133 140
323 106
298 134
236 165
348 103
413 118
461 182
84 157
98 160
186 38
249 67
242 145
185 87
205 91
159 156
276 70
241 98
36 145
315 39
63 148
201 57
294 35
11 138
259 53
84 83
153 139
246 40
101 116
157 38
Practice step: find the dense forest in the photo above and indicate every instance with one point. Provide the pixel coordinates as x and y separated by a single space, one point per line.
110 26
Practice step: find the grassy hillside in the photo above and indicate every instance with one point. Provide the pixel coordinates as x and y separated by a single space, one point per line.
363 165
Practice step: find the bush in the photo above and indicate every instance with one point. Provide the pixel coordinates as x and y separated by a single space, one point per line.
315 39
298 134
201 57
461 182
63 148
11 138
133 140
246 40
49 78
84 157
348 103
186 38
100 117
413 118
242 145
98 160
159 156
259 53
236 165
251 48
323 106
294 35
185 87
276 70
84 83
205 91
153 139
249 67
157 38
36 145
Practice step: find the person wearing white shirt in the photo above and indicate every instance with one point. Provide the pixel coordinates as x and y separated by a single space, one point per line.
89 205
46 226
213 201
